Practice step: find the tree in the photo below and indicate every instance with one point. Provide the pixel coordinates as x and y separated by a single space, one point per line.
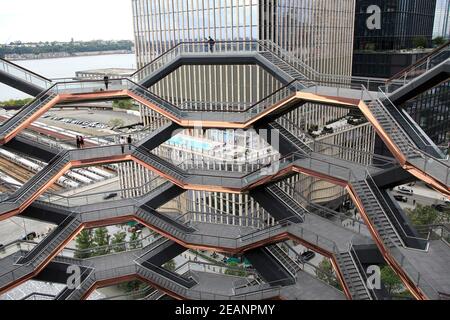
134 244
439 41
235 270
130 286
422 215
124 104
116 122
83 242
420 42
325 273
101 239
391 280
118 241
170 265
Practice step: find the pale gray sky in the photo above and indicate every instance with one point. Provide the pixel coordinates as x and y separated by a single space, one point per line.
61 20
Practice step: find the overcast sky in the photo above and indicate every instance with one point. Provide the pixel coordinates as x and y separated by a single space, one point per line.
61 20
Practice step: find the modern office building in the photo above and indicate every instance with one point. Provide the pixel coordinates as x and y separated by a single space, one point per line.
316 32
385 51
441 19
393 25
269 255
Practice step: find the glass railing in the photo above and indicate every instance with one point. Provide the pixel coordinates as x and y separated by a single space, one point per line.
320 78
39 296
50 243
110 249
437 168
406 124
24 113
425 64
339 218
37 180
359 266
363 158
309 75
75 201
24 74
195 47
186 287
403 264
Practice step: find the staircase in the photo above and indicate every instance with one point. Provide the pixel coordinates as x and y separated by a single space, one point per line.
296 142
376 214
282 65
394 123
160 164
165 279
22 79
50 243
78 293
288 201
24 114
290 265
163 222
155 295
33 185
155 100
352 276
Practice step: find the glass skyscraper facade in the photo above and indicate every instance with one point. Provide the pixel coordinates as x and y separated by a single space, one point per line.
384 52
319 32
441 19
402 23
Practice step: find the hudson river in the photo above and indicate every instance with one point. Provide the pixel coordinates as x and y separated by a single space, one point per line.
66 68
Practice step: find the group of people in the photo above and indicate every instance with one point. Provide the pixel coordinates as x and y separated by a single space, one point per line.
123 141
80 142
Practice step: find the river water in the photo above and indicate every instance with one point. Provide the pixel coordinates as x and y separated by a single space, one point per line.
66 68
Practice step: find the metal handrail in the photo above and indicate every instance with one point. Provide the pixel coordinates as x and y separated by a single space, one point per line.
25 69
427 57
370 291
75 219
393 215
326 210
385 97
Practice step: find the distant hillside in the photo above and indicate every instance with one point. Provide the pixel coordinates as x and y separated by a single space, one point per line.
54 48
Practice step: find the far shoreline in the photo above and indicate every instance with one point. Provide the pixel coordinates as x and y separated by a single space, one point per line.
74 55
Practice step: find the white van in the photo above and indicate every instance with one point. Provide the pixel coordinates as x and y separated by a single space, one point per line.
405 190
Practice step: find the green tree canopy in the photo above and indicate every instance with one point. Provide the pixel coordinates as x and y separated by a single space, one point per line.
391 280
133 241
101 239
83 242
325 273
439 41
235 270
422 215
420 42
170 265
116 122
119 241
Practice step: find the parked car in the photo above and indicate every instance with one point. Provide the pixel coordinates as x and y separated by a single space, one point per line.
110 196
405 190
439 207
307 256
2 246
401 198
